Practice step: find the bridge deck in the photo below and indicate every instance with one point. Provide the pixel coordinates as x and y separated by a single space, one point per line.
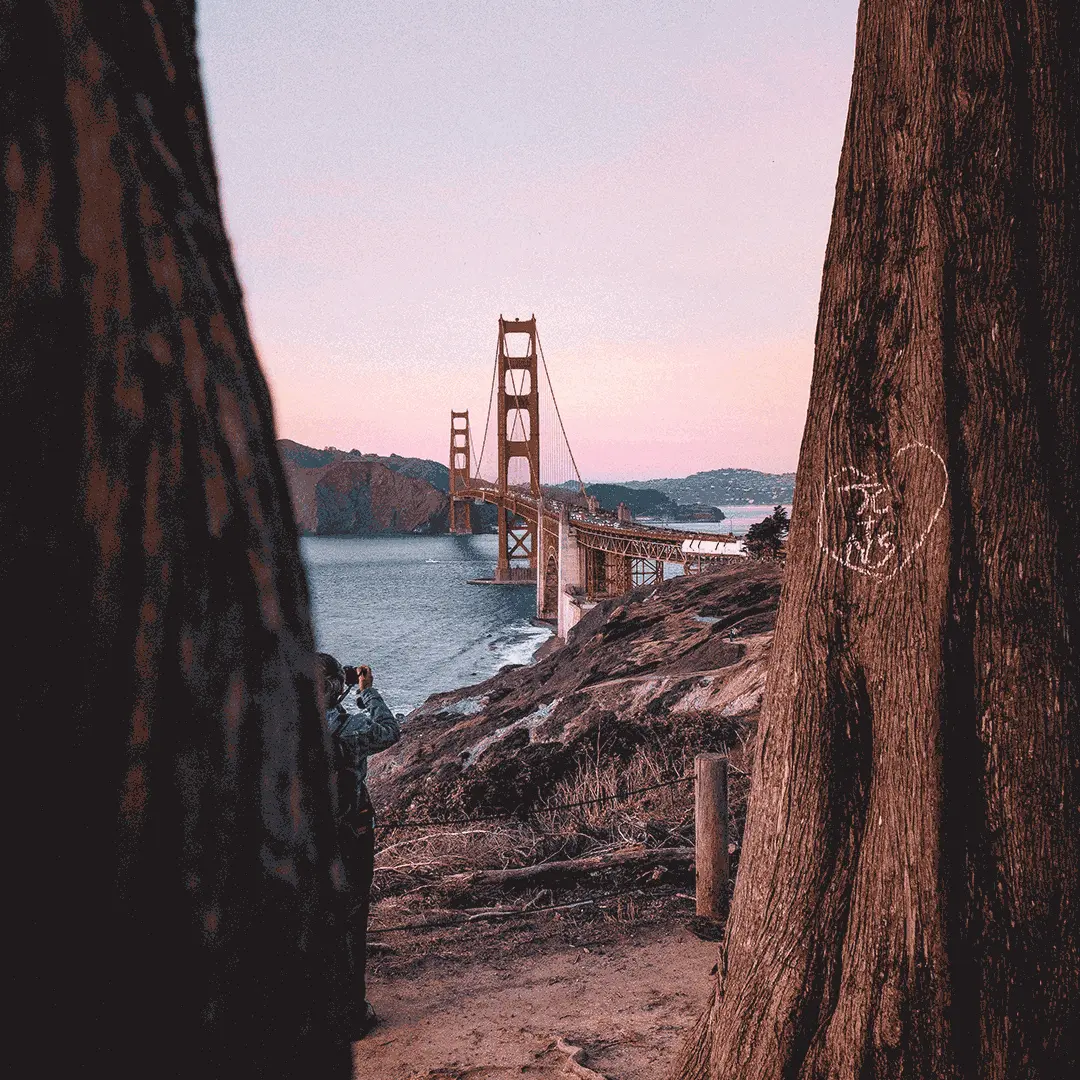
602 530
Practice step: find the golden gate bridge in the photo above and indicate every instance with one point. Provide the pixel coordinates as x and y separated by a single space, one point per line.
551 531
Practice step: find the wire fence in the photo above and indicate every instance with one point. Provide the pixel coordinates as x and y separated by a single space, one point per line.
527 814
522 814
473 918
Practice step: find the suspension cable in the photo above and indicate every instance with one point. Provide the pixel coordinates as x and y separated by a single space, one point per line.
474 463
491 398
562 426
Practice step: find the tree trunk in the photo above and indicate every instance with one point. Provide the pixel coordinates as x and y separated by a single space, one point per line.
907 904
175 850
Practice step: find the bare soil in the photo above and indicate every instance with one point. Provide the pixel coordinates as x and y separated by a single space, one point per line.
488 1001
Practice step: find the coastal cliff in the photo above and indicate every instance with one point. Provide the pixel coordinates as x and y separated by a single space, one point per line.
307 457
348 493
674 670
363 498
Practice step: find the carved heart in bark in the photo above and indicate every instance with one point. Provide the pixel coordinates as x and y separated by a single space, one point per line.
875 524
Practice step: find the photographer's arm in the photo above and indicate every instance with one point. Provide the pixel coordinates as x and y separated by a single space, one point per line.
373 730
385 729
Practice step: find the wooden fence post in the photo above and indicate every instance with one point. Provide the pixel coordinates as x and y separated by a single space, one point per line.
711 834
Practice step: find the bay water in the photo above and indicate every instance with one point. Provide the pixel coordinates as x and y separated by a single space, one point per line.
404 606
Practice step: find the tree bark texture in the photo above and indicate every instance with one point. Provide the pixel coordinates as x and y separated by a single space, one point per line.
907 903
175 848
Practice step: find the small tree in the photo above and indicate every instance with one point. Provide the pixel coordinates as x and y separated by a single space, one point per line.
765 539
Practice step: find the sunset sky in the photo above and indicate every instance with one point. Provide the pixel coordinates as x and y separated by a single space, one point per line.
653 180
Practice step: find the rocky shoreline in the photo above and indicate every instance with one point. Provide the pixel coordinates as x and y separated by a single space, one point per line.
674 670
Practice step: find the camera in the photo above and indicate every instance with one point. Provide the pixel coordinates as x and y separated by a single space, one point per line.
352 676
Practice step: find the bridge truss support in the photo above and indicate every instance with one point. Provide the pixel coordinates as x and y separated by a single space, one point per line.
647 572
607 574
519 439
588 574
611 574
460 465
547 570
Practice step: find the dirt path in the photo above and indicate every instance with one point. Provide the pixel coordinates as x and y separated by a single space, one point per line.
627 998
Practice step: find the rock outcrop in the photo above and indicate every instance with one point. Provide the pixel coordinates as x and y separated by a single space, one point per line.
363 498
676 668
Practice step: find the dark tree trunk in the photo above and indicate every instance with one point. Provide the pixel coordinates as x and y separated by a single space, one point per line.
175 848
907 904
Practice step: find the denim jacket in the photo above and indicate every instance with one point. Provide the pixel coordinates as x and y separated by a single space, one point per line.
355 736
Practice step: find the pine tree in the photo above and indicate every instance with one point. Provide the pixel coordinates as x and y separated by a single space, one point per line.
765 539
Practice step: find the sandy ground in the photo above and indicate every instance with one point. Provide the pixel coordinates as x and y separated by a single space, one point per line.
492 1008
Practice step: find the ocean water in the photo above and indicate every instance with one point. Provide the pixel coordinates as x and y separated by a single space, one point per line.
403 605
737 519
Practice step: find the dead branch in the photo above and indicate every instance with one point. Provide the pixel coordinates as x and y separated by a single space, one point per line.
575 1061
568 870
496 913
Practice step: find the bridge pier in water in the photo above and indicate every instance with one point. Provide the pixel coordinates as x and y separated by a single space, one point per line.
519 440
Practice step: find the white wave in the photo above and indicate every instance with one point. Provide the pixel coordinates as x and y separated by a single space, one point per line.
520 648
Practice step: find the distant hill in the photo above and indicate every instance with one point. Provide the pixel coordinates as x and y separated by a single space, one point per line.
691 498
347 493
643 501
648 503
719 487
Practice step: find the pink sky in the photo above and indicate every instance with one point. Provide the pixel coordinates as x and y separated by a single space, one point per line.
653 182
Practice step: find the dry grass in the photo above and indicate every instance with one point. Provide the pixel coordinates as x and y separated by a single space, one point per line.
663 817
411 863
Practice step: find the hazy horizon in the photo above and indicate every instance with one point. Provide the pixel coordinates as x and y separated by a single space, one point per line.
587 480
653 180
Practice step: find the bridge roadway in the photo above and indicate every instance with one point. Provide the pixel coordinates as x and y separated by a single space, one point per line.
603 531
582 554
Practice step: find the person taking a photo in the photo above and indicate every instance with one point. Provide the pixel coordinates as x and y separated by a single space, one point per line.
355 737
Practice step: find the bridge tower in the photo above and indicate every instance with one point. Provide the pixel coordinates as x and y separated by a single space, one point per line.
460 467
519 438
